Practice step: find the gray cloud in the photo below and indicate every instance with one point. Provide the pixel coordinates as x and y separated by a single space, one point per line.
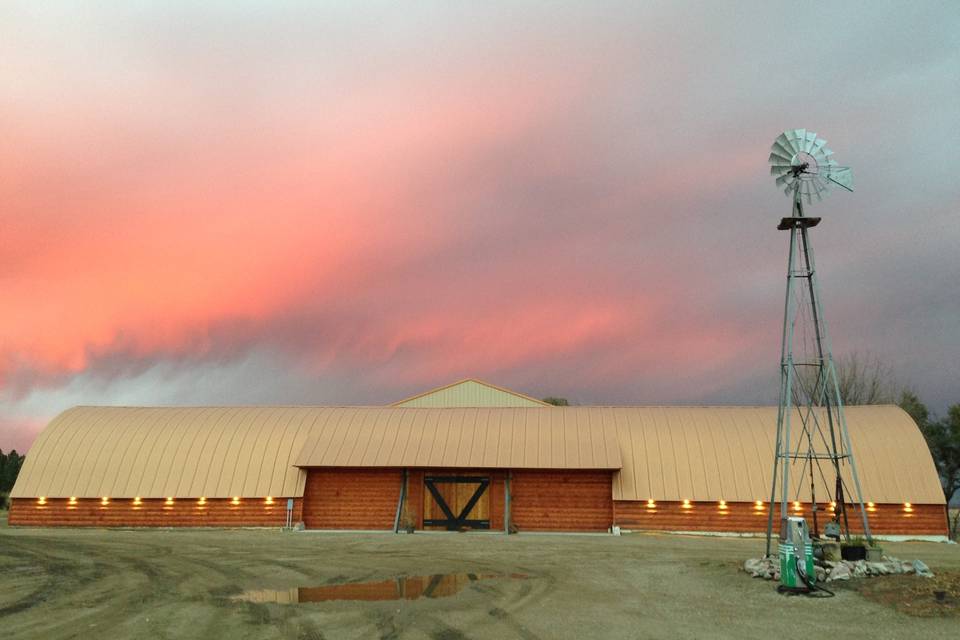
637 175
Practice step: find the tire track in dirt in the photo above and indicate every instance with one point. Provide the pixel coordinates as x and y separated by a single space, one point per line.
36 596
111 581
101 581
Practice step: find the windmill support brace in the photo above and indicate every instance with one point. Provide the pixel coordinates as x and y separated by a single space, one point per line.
824 397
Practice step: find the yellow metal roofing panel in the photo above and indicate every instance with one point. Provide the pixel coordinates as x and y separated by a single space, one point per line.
713 453
666 453
124 452
468 437
292 485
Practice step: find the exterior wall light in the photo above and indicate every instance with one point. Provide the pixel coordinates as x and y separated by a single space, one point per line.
871 507
72 501
137 501
797 506
758 505
42 500
104 501
235 501
268 500
202 501
651 504
907 507
686 504
723 505
168 502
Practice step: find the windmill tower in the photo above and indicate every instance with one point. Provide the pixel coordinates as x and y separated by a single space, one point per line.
812 440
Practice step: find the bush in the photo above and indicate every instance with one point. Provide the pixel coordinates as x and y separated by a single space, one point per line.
855 541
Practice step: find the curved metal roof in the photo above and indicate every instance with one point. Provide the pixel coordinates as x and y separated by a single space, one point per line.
178 452
726 453
664 453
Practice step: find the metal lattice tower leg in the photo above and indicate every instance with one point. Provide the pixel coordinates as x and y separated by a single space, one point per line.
811 426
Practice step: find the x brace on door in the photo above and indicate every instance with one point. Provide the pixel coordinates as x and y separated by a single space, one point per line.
452 522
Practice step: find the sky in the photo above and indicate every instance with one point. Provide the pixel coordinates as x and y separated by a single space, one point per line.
348 203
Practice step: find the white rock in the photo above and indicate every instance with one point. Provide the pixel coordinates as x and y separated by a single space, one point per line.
922 569
753 565
760 567
839 572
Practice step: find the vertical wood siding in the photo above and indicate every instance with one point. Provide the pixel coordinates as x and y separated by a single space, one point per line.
561 500
413 504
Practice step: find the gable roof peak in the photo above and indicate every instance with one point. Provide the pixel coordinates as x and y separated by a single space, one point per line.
470 392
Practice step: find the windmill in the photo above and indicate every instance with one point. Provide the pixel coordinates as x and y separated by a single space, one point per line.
811 427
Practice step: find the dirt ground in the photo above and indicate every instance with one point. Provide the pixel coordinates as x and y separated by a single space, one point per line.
95 583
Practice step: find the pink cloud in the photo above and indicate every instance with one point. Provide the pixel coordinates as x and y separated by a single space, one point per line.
18 433
578 202
144 260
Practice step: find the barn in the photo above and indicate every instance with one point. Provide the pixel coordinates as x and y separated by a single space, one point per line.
468 456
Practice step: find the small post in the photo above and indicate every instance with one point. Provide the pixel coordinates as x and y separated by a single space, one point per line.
506 502
289 521
403 496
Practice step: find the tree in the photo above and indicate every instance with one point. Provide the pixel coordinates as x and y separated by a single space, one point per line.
910 403
865 379
557 402
943 437
861 379
9 469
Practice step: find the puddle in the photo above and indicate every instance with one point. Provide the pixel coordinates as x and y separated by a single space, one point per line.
400 588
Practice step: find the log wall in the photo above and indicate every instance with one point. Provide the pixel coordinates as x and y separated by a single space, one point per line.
541 501
565 500
351 498
152 512
746 517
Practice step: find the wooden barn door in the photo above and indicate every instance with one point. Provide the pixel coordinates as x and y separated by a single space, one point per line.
455 502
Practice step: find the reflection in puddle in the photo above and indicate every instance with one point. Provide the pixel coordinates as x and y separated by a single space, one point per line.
400 588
